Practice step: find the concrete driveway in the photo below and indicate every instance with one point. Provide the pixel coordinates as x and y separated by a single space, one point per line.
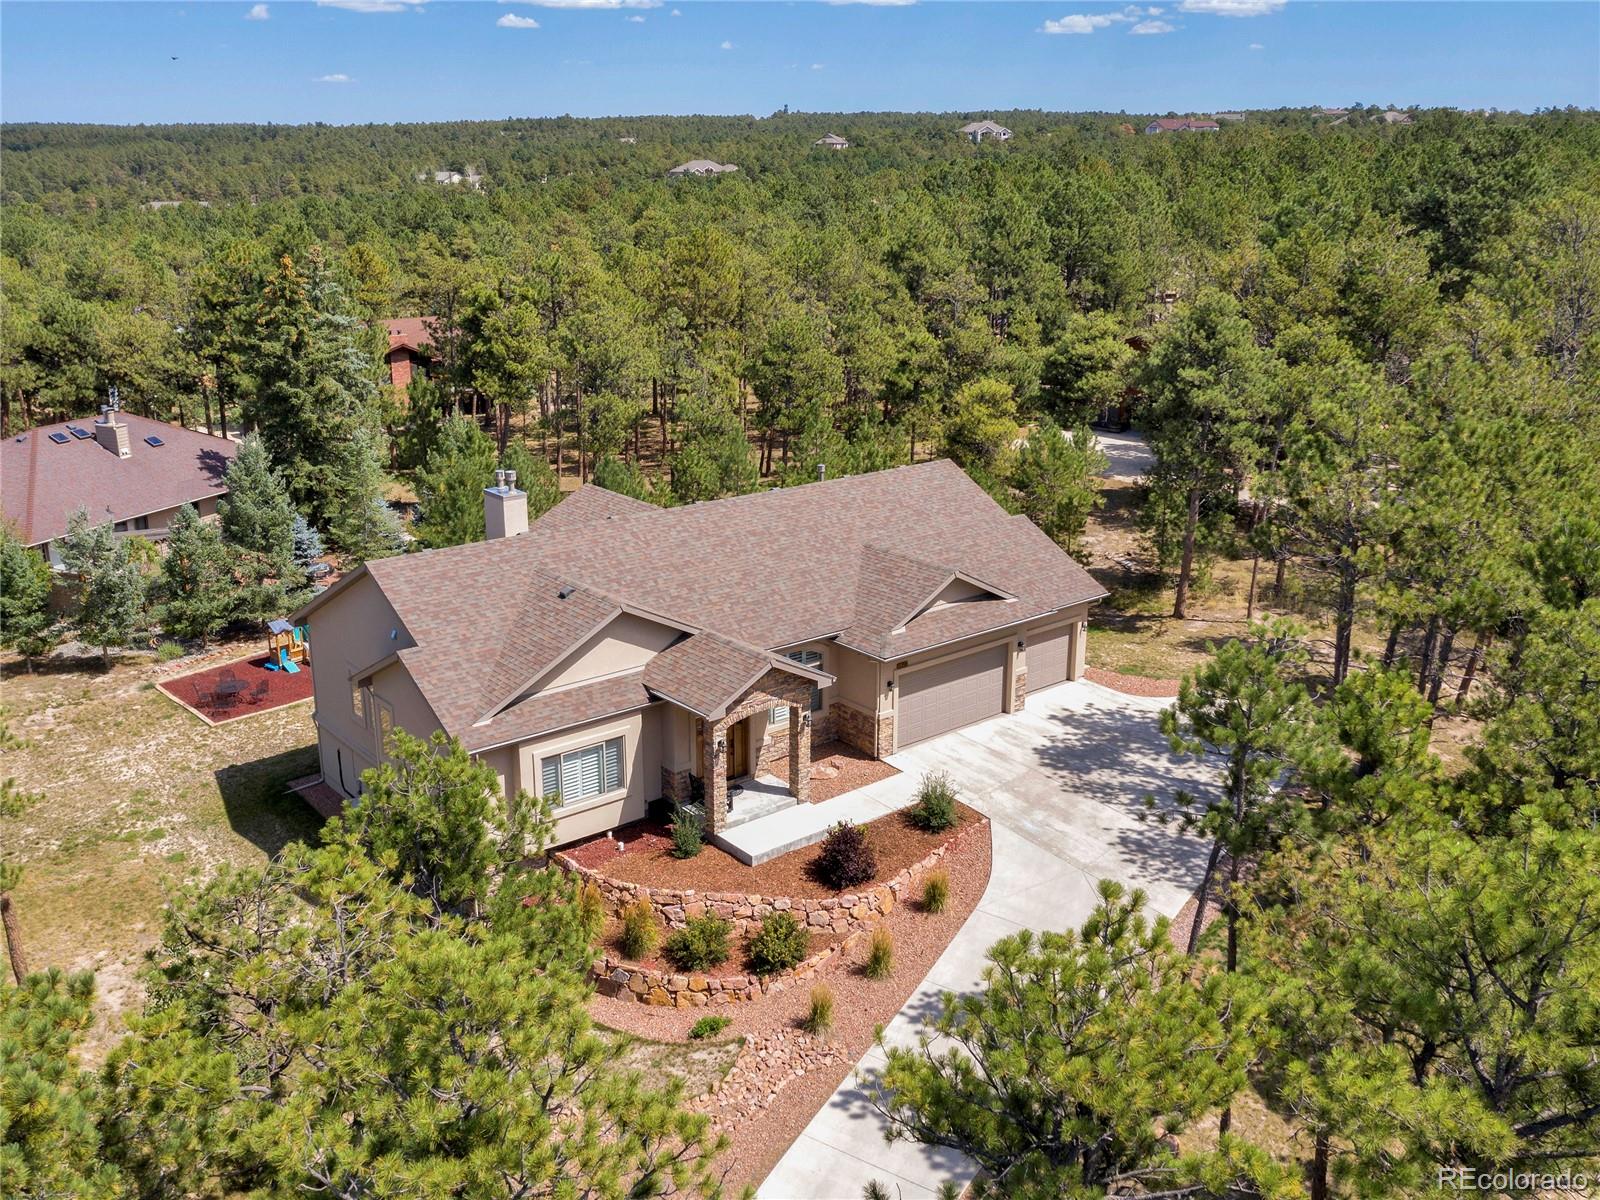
1063 786
1128 455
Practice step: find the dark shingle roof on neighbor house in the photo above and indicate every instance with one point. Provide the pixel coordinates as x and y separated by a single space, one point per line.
42 483
857 557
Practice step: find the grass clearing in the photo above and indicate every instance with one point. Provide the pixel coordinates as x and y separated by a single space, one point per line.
139 797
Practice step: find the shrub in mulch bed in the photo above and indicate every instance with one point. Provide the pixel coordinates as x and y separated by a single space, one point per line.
700 945
935 809
846 859
707 1027
779 944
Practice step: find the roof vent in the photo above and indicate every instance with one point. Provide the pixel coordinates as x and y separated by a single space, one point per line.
565 592
822 472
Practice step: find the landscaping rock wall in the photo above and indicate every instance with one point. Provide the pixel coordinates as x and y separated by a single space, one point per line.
849 916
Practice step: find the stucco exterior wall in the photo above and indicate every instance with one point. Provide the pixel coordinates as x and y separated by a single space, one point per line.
626 644
641 733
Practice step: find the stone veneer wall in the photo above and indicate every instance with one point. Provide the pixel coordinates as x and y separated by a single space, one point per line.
1019 683
850 915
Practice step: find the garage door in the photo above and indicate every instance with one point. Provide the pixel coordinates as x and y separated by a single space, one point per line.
1048 655
938 699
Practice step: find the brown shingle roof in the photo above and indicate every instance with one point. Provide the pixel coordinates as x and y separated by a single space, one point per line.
563 709
42 483
763 572
706 673
412 333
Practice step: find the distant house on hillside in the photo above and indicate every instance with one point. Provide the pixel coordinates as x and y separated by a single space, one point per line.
702 166
832 142
1181 125
1230 116
1335 112
410 352
131 471
470 177
1396 117
628 141
976 131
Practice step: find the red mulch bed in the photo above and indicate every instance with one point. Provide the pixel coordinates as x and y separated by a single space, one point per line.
1132 685
836 769
738 962
263 689
646 858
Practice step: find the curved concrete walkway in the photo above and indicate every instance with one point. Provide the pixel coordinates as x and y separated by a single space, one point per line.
1063 786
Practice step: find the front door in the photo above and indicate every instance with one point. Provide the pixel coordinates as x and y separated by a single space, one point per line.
739 750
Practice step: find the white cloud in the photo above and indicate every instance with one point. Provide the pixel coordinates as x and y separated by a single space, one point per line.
637 20
1084 23
258 12
1231 8
875 3
336 78
817 67
1257 46
598 5
727 46
512 21
372 6
675 13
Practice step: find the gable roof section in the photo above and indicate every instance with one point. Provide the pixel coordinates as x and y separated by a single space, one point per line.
706 673
759 572
43 483
412 333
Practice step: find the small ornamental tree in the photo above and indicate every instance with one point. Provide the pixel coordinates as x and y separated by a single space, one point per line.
1057 480
1078 1057
256 516
26 623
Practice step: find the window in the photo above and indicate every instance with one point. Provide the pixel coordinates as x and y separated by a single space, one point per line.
141 522
358 703
583 774
806 658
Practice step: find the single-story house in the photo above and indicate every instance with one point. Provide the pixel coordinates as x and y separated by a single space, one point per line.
410 352
976 131
1182 125
702 166
832 142
1394 116
614 652
131 471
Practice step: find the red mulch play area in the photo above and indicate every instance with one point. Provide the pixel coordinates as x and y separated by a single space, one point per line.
238 689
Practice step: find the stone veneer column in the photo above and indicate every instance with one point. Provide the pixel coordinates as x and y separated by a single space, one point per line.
716 777
1080 650
800 751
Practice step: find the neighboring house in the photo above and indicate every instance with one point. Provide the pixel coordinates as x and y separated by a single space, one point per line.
976 131
410 350
1335 112
702 166
470 177
1229 116
628 141
616 652
832 142
131 471
1396 117
1181 125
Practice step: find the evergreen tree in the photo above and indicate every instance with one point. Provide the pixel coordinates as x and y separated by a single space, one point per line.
713 458
258 525
1079 1053
307 542
1057 477
26 623
109 588
425 417
623 478
450 485
197 591
534 476
13 802
1205 381
1089 369
979 428
364 526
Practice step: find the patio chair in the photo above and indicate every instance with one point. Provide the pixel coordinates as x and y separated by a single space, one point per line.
257 694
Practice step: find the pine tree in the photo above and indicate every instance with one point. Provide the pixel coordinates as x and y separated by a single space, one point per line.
1079 1054
26 623
713 458
109 588
534 476
1088 370
623 478
13 803
363 525
1057 478
258 525
450 485
197 591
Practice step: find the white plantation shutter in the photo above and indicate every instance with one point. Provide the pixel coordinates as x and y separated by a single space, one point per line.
550 772
806 658
583 774
613 765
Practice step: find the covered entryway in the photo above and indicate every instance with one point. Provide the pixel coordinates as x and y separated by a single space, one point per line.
948 695
1049 657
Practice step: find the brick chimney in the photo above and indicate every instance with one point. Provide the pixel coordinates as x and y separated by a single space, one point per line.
112 433
505 509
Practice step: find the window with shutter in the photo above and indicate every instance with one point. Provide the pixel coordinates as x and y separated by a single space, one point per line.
583 774
806 658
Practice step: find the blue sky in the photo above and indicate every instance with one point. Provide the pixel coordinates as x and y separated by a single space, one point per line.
397 60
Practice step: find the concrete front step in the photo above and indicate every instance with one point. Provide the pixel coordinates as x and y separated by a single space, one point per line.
754 856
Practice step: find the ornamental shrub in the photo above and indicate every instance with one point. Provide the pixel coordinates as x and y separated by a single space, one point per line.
709 1027
779 945
880 955
701 944
935 809
639 930
846 859
936 892
591 909
687 837
819 1017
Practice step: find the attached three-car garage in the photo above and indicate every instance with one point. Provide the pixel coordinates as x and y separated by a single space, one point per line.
1049 657
950 694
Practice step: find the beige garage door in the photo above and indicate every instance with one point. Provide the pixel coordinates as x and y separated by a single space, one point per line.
1048 655
940 698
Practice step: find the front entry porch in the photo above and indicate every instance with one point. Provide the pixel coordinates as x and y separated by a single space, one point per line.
725 754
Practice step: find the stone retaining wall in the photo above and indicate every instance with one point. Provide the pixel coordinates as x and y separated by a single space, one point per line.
850 916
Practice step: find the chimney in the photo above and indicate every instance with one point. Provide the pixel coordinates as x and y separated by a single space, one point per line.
505 509
822 472
112 433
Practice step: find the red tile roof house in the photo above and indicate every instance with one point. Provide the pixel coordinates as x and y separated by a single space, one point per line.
1181 125
131 471
410 348
613 651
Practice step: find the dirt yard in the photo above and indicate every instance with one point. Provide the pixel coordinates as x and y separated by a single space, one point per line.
139 796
